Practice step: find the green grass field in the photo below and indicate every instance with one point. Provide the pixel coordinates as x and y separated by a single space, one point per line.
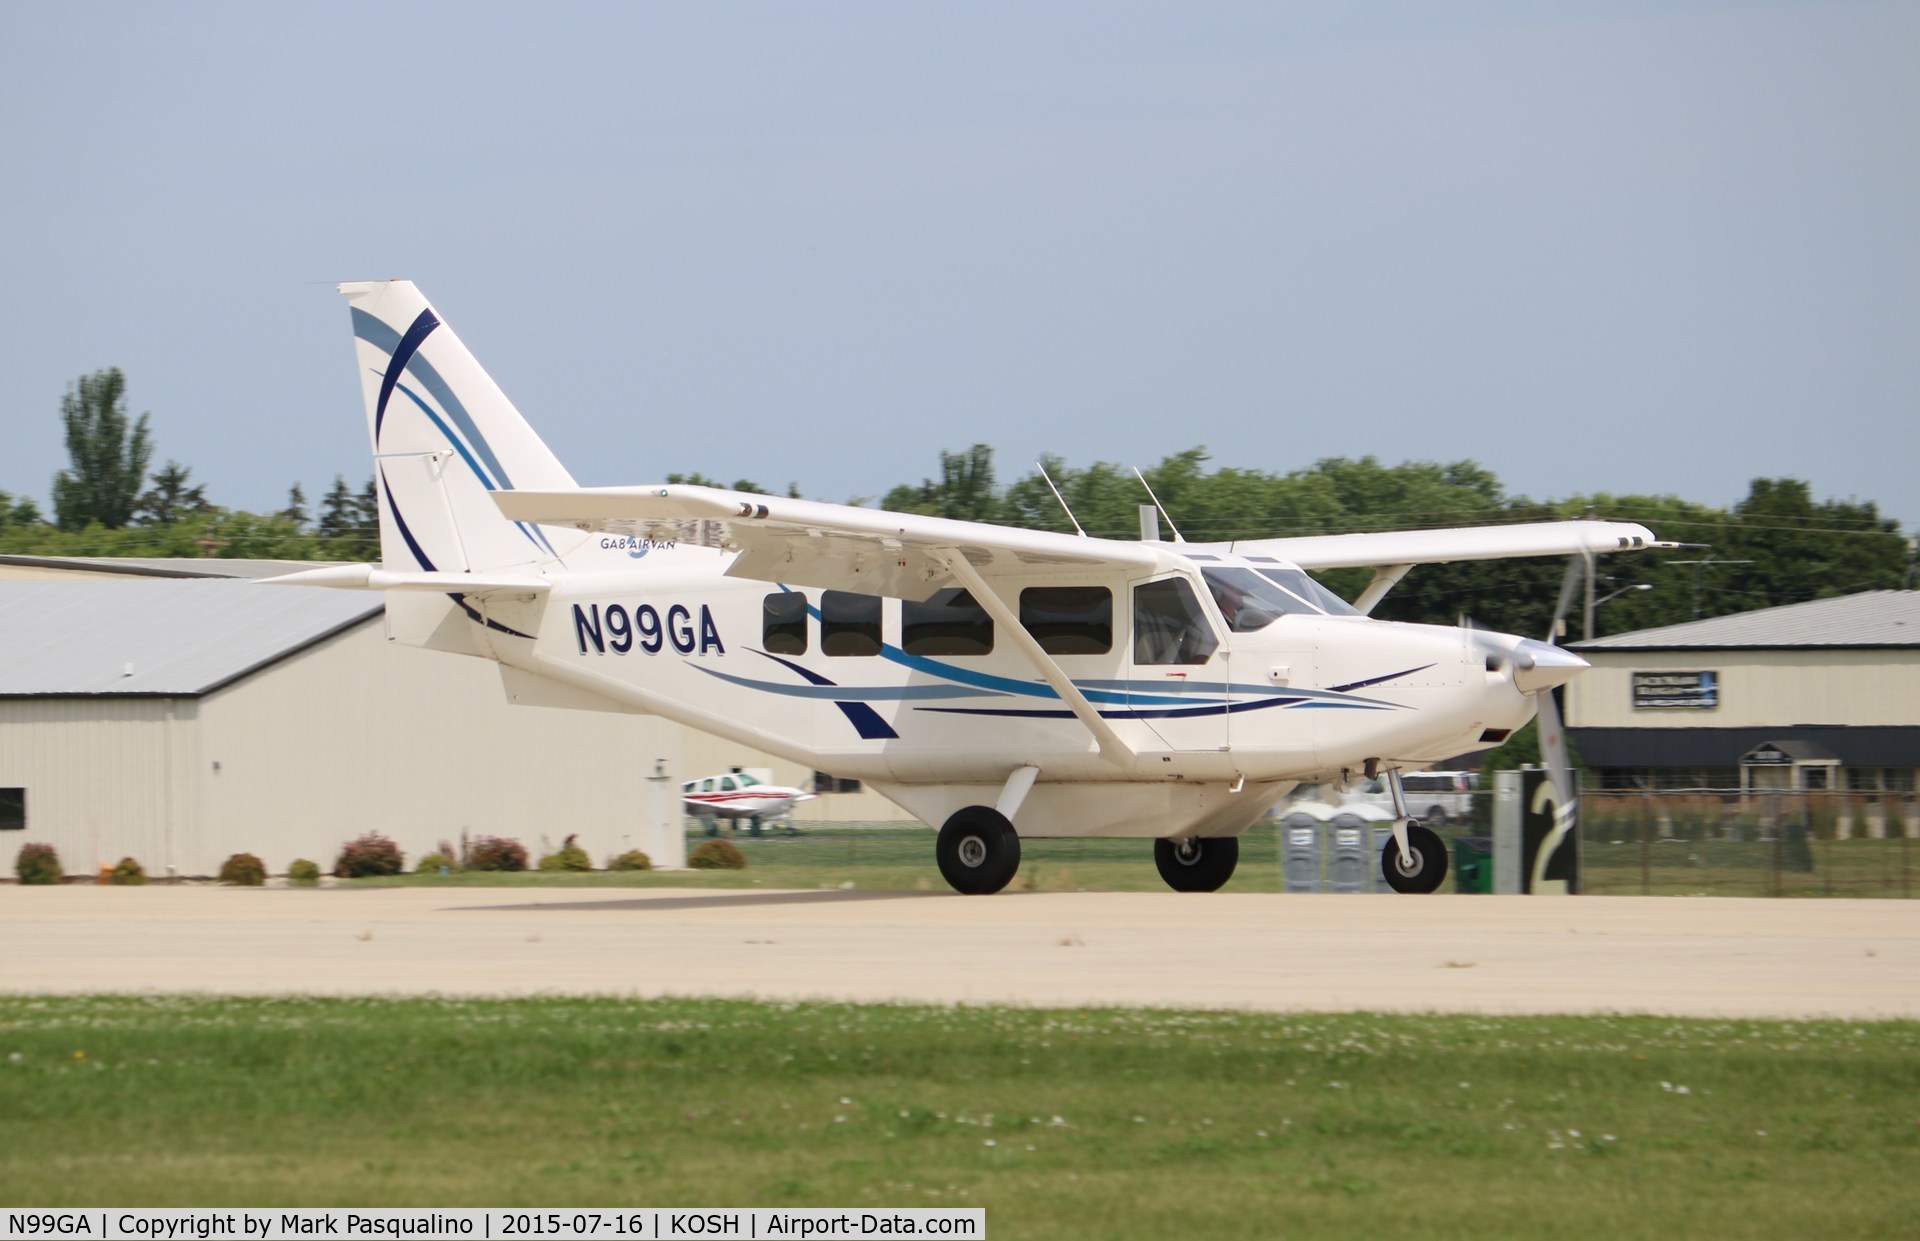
1060 1123
900 858
896 858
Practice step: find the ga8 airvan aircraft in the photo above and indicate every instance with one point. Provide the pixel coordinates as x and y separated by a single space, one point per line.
995 682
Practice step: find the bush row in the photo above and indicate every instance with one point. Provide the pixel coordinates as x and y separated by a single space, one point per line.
374 854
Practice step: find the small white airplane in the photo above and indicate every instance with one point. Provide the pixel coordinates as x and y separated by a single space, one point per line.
737 795
997 683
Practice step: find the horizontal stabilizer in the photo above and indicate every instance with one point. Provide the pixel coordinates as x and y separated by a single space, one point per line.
367 577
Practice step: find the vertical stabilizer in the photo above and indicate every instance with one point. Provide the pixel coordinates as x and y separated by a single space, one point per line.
444 436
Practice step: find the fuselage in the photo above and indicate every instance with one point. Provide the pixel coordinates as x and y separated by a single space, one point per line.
924 695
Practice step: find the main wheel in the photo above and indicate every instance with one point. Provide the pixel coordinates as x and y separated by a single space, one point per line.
978 851
1197 863
1424 870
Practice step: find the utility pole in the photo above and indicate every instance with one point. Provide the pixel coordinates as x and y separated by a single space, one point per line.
1697 566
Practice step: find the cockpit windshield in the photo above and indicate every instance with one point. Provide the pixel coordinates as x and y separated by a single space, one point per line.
1313 592
1249 601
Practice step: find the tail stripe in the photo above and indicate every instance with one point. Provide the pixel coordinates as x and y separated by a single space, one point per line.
413 544
409 345
385 339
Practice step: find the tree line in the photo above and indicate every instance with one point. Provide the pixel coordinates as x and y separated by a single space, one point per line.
1777 545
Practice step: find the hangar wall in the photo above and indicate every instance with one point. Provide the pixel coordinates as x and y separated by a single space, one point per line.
1757 688
348 735
106 778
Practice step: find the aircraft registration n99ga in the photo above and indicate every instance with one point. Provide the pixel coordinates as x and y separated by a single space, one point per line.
995 682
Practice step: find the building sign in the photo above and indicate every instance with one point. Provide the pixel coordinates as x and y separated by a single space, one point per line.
1676 691
1766 756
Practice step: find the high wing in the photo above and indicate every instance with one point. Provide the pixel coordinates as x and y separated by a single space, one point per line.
1411 547
825 546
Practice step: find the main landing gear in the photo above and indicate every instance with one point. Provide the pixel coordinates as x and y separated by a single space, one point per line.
1197 863
978 851
1425 867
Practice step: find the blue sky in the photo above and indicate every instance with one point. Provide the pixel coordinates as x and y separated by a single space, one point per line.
1634 247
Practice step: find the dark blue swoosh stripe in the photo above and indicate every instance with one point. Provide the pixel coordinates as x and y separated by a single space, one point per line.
1232 708
402 354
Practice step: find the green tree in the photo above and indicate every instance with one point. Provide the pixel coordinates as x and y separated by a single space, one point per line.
339 511
20 512
109 457
296 510
170 499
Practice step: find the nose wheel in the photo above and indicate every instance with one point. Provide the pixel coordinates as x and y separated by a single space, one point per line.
1422 868
978 851
1197 864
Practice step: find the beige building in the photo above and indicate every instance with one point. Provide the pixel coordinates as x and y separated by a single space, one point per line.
1820 695
177 713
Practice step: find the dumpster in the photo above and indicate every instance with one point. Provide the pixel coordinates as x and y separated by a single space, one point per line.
1473 864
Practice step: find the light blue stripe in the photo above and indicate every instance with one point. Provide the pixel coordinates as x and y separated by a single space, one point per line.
853 693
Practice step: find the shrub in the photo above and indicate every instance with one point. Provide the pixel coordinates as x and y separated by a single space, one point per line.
244 869
569 857
38 864
632 859
496 853
303 872
371 854
128 873
431 863
717 855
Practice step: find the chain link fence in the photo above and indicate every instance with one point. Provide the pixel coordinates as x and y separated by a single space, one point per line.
1732 843
1706 842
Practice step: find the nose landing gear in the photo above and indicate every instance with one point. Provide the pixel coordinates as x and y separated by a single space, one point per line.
1422 868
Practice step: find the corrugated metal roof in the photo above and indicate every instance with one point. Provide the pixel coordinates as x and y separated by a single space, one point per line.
1874 618
173 638
163 566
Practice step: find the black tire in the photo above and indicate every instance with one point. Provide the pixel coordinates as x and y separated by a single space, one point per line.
1198 863
1436 814
978 851
1424 872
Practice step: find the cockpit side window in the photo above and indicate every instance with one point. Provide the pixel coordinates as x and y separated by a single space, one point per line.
1168 625
1313 592
1248 601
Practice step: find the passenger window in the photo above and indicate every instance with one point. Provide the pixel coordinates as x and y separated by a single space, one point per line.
726 784
1168 625
1248 601
950 623
706 785
1069 620
783 623
849 623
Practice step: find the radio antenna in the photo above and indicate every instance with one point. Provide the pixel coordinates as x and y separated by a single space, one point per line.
1177 536
1042 467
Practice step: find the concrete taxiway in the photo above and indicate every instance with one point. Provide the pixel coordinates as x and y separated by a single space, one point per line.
1672 955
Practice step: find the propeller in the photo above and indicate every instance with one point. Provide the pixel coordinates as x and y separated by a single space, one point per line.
1553 737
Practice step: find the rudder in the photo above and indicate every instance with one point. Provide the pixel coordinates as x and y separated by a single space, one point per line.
444 436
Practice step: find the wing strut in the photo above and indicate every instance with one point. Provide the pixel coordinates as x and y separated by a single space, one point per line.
1385 578
1112 748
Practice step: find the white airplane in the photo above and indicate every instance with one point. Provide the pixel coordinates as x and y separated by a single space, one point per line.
737 795
997 683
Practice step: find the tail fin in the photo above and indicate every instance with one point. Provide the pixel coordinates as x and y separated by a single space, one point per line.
444 436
